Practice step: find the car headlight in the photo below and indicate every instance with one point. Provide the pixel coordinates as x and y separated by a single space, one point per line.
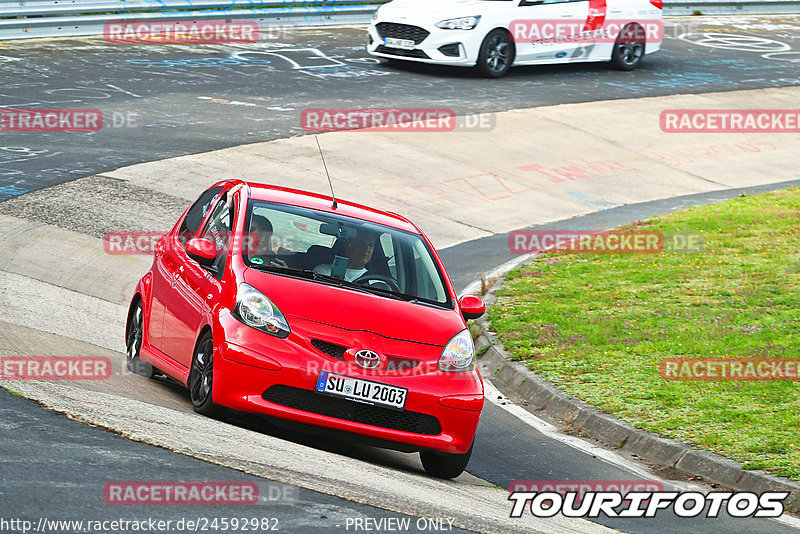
459 353
256 310
463 23
375 15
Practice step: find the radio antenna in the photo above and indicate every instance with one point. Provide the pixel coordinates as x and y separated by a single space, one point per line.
330 183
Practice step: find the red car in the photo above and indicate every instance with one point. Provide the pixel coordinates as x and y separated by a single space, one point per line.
286 303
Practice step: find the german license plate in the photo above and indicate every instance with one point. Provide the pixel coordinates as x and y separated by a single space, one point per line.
405 44
364 391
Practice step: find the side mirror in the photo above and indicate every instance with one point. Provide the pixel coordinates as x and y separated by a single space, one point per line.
202 250
471 306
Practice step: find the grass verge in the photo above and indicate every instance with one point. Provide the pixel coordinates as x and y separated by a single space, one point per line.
598 326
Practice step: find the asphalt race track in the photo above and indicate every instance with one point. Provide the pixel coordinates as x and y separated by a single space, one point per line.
76 459
161 101
167 101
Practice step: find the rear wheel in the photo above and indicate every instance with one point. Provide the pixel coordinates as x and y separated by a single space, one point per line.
496 54
201 379
444 465
629 48
133 342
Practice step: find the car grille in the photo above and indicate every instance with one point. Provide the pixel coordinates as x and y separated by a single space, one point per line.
311 401
393 363
400 52
402 31
331 349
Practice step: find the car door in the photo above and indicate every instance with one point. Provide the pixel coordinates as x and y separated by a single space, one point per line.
614 14
548 19
196 287
598 14
166 267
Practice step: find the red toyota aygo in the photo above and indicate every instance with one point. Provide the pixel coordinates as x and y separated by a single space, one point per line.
286 303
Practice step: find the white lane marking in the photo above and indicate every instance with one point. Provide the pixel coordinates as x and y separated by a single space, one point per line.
475 287
552 432
789 520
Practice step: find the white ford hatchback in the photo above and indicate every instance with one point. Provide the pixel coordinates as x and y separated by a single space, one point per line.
493 35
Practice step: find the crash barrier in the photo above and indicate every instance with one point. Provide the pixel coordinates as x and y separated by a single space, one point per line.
24 19
731 7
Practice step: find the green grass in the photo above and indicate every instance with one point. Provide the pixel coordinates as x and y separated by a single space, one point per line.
598 326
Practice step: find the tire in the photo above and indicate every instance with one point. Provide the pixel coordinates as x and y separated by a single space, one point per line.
201 379
629 48
133 342
496 54
444 465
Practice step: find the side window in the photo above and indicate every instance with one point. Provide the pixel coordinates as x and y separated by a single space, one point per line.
218 230
196 214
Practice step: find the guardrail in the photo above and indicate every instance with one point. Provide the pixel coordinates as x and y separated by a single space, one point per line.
731 7
22 19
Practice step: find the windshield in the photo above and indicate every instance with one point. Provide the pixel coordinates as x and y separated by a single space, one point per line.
341 250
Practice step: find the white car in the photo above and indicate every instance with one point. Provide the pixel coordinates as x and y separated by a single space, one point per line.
493 35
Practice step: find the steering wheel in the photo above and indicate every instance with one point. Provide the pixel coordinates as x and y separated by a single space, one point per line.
367 277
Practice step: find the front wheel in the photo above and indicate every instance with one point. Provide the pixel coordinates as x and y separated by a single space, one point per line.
201 379
496 54
444 465
629 48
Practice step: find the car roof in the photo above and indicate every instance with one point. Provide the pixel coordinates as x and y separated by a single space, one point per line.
307 199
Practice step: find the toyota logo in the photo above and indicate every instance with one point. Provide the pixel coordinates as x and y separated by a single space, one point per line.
367 359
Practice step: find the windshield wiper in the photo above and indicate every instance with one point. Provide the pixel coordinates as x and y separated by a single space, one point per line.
357 287
313 275
389 293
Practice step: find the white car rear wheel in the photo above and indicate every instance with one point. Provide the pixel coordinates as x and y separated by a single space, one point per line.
629 48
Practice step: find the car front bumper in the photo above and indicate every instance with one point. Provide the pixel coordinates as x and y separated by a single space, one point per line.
258 373
428 50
